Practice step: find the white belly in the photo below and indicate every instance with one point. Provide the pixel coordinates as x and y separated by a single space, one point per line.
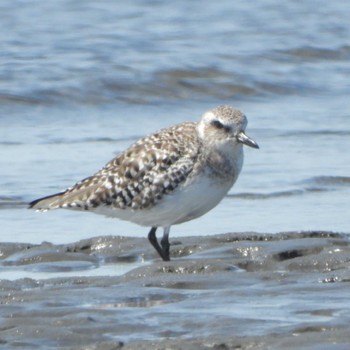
186 203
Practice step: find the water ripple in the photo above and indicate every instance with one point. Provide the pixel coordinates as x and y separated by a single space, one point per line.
58 141
311 133
328 181
310 53
11 202
311 185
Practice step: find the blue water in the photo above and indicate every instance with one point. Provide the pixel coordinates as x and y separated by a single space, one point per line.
80 81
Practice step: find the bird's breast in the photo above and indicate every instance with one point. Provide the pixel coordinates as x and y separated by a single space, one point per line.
224 165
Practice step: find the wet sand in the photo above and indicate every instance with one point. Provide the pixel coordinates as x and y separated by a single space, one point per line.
230 291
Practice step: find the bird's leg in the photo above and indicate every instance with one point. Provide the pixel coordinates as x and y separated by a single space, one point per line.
153 240
165 244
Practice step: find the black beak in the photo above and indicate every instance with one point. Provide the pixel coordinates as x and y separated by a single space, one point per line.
243 138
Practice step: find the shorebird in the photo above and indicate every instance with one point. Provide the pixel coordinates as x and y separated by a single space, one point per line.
172 176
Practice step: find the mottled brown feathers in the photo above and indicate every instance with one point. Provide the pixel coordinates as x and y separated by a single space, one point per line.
136 178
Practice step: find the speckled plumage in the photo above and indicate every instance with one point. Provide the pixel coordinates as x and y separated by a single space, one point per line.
146 183
140 176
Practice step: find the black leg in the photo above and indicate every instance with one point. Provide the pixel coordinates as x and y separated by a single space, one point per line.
165 244
153 240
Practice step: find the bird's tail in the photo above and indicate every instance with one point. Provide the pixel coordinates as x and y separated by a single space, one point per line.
53 201
73 198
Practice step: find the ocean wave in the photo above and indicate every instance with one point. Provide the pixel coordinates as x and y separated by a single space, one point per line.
11 202
310 53
311 185
257 196
311 133
164 85
328 181
58 141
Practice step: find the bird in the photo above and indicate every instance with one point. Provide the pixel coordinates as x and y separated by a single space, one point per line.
172 176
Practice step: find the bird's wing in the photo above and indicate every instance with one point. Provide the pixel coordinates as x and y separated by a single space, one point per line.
137 178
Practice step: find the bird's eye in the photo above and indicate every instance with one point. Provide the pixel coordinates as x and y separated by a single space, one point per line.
217 124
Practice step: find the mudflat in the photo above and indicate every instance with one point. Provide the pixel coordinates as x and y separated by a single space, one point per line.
230 291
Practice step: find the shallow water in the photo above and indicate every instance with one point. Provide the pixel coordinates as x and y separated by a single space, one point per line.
79 82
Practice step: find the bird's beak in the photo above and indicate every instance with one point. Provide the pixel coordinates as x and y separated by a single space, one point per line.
243 138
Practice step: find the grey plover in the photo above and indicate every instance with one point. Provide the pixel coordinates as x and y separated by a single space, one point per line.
170 177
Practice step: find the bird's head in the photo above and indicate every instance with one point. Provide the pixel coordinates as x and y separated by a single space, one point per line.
224 125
